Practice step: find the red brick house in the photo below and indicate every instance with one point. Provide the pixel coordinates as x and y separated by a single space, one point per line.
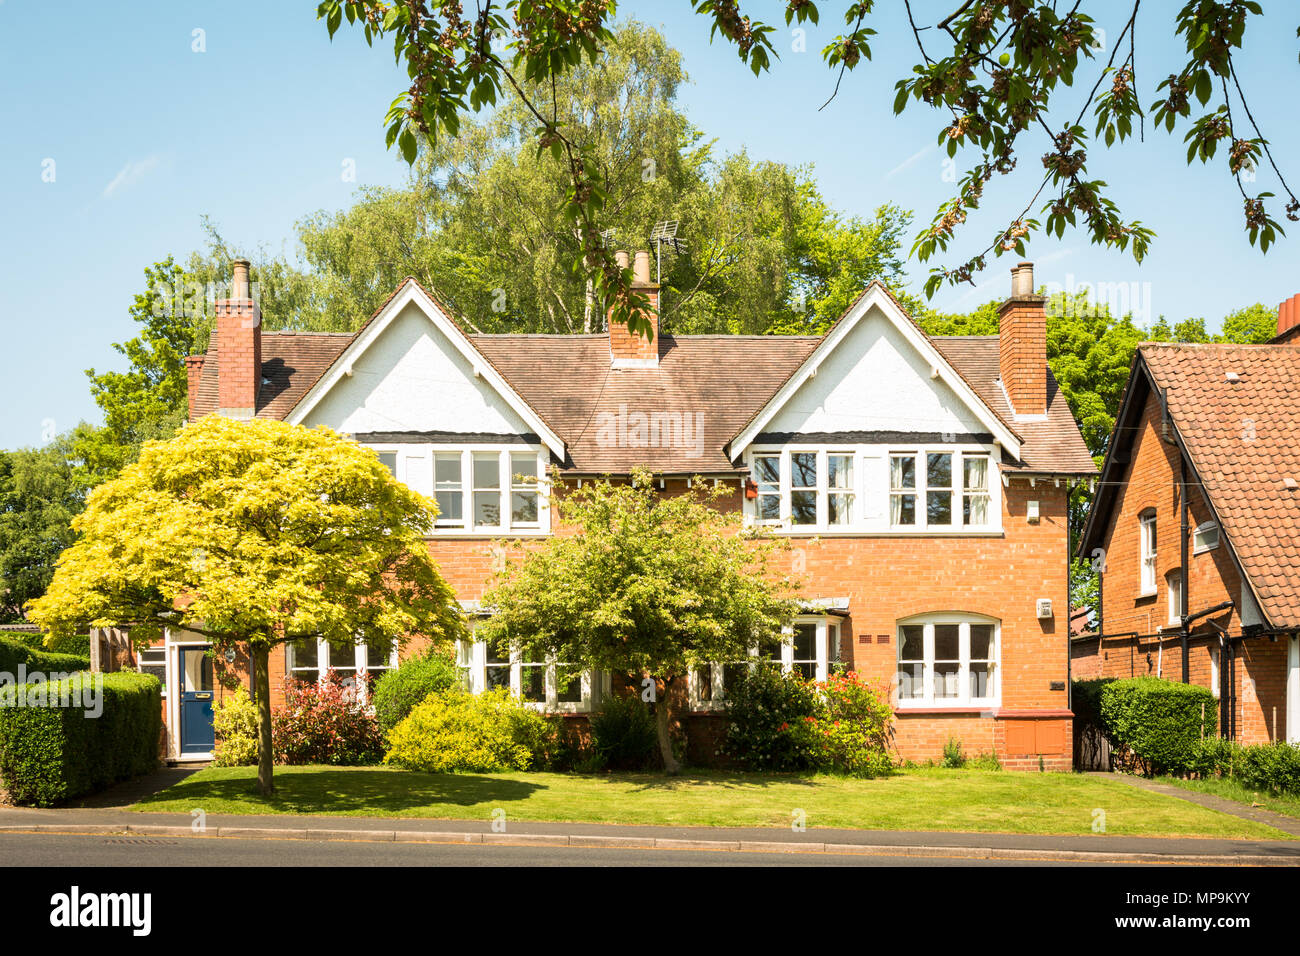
1196 530
923 483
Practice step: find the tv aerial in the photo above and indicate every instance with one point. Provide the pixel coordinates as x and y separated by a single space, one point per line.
665 234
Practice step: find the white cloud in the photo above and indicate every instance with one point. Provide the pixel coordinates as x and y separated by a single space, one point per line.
131 173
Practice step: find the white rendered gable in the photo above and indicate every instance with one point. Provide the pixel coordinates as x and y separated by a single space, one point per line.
411 370
875 380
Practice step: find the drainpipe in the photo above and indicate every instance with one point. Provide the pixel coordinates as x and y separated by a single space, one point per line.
1184 577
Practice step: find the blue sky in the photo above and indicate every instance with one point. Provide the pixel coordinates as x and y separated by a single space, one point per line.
144 134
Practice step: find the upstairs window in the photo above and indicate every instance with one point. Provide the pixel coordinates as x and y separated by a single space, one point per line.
1147 552
1205 537
767 475
902 490
448 488
803 487
840 489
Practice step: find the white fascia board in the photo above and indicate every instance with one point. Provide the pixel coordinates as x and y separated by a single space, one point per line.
938 363
411 292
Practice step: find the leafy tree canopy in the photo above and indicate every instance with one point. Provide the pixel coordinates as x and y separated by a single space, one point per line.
646 585
1000 74
258 532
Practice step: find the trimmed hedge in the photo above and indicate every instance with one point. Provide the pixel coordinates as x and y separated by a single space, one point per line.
78 644
397 692
50 754
14 653
1159 723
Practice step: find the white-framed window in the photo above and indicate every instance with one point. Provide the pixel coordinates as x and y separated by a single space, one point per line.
948 660
767 476
803 488
874 489
902 490
153 660
808 646
1205 537
449 488
312 659
547 685
1147 552
480 489
1174 595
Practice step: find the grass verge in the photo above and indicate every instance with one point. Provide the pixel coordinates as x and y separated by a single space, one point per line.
916 799
1232 790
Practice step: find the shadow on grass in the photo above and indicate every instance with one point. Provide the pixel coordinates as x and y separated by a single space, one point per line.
329 791
731 780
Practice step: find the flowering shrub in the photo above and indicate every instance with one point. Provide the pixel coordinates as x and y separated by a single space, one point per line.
325 723
235 723
771 721
858 727
459 732
784 722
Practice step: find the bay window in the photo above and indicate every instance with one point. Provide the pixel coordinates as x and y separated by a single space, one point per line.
808 647
544 683
947 660
312 659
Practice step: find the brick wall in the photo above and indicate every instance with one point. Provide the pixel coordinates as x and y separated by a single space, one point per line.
239 350
1022 337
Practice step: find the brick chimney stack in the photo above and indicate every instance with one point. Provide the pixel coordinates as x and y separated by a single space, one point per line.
1022 344
239 347
627 350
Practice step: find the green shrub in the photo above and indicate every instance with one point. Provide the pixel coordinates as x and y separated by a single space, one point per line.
77 645
325 722
623 735
414 679
459 732
953 758
34 660
984 761
1158 723
108 731
770 721
1272 767
1215 757
235 723
857 728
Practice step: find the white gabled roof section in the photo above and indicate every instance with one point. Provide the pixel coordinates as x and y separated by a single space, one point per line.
877 297
412 293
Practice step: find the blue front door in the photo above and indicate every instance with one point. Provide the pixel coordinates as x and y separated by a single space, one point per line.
196 700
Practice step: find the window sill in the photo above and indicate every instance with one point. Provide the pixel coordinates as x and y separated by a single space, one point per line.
985 709
811 531
460 534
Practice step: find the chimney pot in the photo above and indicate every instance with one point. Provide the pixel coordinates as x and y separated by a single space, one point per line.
1022 280
239 279
641 268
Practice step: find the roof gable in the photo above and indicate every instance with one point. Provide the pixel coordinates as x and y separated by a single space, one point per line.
410 368
851 387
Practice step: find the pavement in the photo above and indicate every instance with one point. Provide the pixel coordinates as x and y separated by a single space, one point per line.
106 814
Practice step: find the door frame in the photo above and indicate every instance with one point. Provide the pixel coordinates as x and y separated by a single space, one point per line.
174 648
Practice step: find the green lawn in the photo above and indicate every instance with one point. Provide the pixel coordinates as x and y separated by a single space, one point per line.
1232 790
920 799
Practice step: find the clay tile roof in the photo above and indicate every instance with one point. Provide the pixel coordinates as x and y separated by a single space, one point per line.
1243 439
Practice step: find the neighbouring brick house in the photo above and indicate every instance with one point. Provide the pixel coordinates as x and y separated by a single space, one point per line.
1196 528
923 483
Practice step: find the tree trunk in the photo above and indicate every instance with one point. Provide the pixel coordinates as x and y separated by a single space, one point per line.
262 687
663 721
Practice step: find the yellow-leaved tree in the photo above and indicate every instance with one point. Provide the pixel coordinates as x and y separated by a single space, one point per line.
259 533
